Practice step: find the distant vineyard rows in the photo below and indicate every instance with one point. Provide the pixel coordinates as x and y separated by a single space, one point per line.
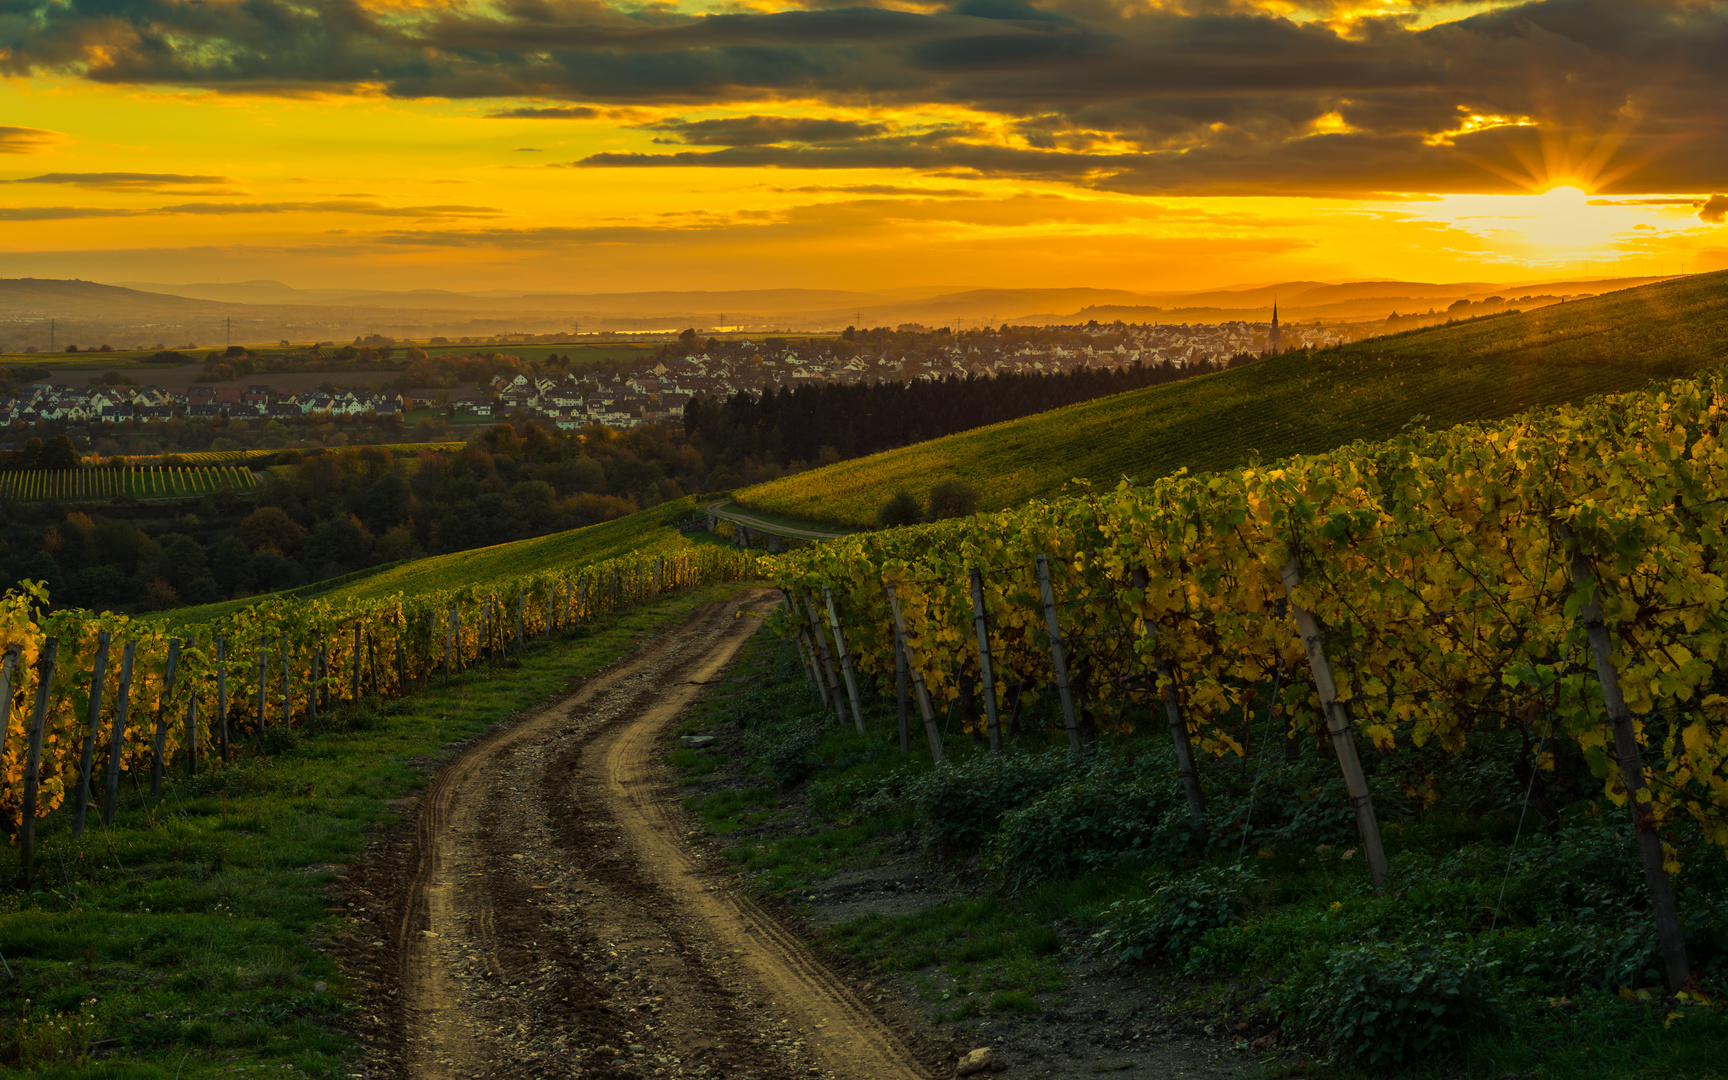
138 482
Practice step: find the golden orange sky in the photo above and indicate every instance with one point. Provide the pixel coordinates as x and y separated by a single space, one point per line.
577 144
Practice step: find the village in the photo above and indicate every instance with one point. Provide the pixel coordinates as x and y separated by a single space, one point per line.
656 387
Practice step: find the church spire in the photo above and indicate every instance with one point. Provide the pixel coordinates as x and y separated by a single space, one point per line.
1274 337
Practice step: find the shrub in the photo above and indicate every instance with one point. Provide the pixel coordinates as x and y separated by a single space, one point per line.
959 805
1387 1003
787 757
953 499
901 509
1175 916
1112 809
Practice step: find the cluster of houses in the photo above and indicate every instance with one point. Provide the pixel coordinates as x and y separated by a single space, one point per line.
656 390
122 404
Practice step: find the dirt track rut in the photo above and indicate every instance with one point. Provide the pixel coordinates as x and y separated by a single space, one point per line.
556 922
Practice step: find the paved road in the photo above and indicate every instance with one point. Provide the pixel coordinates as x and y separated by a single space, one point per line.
724 509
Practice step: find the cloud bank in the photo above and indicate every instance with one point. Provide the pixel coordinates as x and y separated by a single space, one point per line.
1202 97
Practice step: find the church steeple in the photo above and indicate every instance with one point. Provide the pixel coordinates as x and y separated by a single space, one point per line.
1275 337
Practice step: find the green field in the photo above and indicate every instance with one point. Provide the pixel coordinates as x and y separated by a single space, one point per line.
1296 403
648 531
139 482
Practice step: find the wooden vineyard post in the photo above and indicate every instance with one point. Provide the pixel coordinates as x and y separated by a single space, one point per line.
845 660
401 665
317 681
1178 728
827 668
931 731
192 732
8 665
1339 727
354 672
450 640
902 703
981 622
551 609
87 753
117 736
372 663
1058 658
263 686
222 695
33 758
809 647
521 635
287 698
159 745
1588 591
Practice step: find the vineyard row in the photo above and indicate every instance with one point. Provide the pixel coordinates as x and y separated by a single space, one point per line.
138 482
85 697
1561 572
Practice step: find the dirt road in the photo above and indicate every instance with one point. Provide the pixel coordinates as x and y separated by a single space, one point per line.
556 923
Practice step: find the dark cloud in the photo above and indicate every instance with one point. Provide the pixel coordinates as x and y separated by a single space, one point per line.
25 140
1714 210
882 189
125 181
1206 96
766 130
335 206
560 112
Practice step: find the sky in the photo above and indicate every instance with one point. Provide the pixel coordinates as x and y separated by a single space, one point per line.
601 146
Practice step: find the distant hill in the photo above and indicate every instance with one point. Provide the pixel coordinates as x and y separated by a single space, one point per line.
1297 403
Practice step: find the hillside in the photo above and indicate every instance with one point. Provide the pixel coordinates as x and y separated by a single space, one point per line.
647 531
1297 403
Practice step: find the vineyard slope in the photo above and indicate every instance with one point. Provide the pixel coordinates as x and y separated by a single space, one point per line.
1296 403
646 532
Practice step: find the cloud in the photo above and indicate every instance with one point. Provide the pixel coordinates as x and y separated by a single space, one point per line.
1201 96
127 181
766 130
559 112
1715 210
331 206
25 140
882 189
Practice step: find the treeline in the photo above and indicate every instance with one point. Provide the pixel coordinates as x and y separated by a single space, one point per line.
333 513
797 424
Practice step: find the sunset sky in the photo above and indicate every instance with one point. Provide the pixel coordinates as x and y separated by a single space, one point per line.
578 144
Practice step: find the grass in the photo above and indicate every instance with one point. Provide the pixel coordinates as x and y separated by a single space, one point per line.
1296 403
241 457
803 798
183 942
648 531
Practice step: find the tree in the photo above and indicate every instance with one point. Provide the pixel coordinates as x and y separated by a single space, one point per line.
269 528
952 499
182 561
231 563
901 509
336 546
58 453
119 543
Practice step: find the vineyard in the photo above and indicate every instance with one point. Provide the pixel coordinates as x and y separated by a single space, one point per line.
87 697
1297 403
1560 574
136 482
255 457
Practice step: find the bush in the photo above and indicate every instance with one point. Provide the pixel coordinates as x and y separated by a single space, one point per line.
1387 1003
960 805
901 509
953 499
1176 915
1113 809
787 758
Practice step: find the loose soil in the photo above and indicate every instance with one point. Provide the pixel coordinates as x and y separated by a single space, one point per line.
543 915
